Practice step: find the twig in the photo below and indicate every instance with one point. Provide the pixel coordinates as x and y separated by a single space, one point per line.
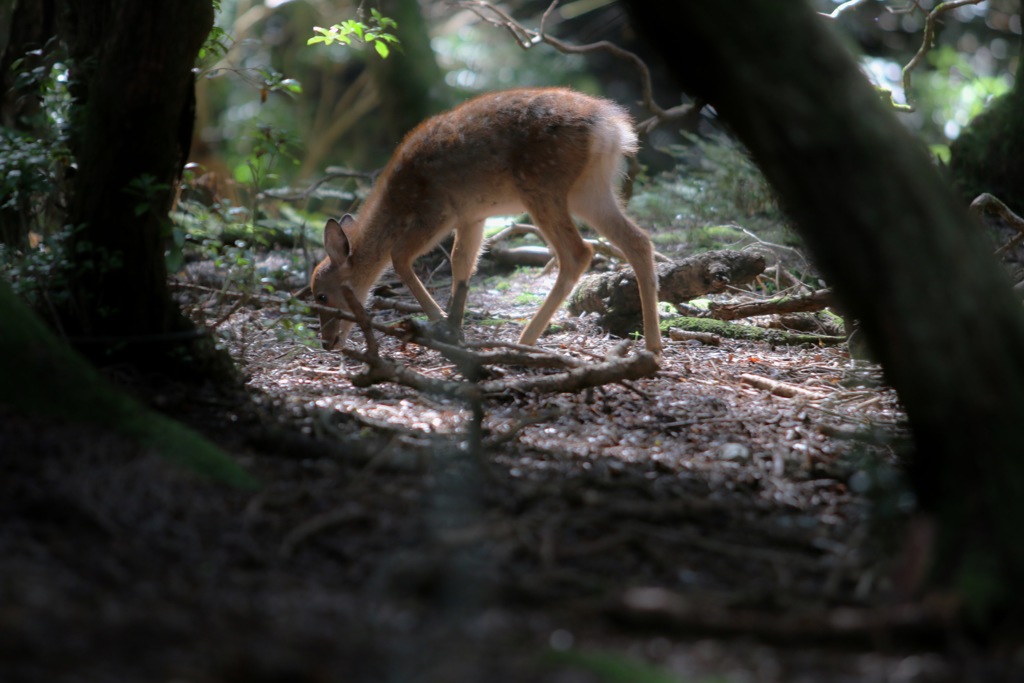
521 423
926 44
527 38
779 388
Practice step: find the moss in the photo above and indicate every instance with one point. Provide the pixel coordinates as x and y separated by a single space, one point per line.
744 332
989 154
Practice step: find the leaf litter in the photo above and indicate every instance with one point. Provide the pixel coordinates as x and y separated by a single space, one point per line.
690 520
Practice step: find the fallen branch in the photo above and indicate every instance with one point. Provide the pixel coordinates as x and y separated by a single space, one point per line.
986 203
728 330
639 365
470 364
779 388
675 334
815 301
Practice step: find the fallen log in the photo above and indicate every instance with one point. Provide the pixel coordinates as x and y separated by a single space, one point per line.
615 298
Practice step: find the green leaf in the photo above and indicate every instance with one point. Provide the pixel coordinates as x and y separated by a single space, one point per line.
382 48
353 26
292 85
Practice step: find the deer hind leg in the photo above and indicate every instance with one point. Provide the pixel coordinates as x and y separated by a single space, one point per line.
468 239
573 256
597 204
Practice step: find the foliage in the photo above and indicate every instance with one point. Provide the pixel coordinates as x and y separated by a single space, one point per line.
477 60
352 30
34 159
953 93
30 168
216 46
38 274
713 184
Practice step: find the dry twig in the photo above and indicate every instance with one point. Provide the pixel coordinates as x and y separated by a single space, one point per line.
779 388
926 44
527 38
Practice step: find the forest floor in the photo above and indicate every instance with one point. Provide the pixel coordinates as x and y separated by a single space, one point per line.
684 527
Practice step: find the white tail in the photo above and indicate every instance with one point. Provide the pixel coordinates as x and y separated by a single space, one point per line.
551 152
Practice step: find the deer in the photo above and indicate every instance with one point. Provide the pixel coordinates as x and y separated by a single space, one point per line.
553 153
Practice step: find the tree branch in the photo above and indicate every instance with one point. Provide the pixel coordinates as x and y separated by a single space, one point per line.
527 38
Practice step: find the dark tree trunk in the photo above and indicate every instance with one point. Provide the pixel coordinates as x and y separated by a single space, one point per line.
900 250
133 110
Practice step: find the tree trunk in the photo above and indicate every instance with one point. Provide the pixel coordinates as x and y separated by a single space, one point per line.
989 154
45 380
132 118
900 250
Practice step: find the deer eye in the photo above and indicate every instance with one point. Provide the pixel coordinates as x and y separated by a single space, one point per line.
321 298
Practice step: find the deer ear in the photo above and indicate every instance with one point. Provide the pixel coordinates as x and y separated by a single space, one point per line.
336 242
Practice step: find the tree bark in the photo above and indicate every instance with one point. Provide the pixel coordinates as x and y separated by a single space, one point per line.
133 93
865 195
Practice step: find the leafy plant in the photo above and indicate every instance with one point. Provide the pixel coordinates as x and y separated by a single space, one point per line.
714 184
144 189
354 31
35 156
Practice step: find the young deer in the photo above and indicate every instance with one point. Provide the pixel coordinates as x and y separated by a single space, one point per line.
552 152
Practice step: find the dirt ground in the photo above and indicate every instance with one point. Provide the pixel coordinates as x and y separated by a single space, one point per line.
686 527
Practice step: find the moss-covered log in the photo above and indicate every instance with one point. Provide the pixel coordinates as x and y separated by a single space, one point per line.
615 297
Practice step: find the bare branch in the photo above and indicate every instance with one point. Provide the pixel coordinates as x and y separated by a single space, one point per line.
987 203
527 38
926 44
285 195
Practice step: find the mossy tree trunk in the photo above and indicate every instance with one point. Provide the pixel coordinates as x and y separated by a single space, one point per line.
989 154
901 252
133 111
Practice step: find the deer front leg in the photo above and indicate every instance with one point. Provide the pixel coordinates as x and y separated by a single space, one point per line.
465 252
402 262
